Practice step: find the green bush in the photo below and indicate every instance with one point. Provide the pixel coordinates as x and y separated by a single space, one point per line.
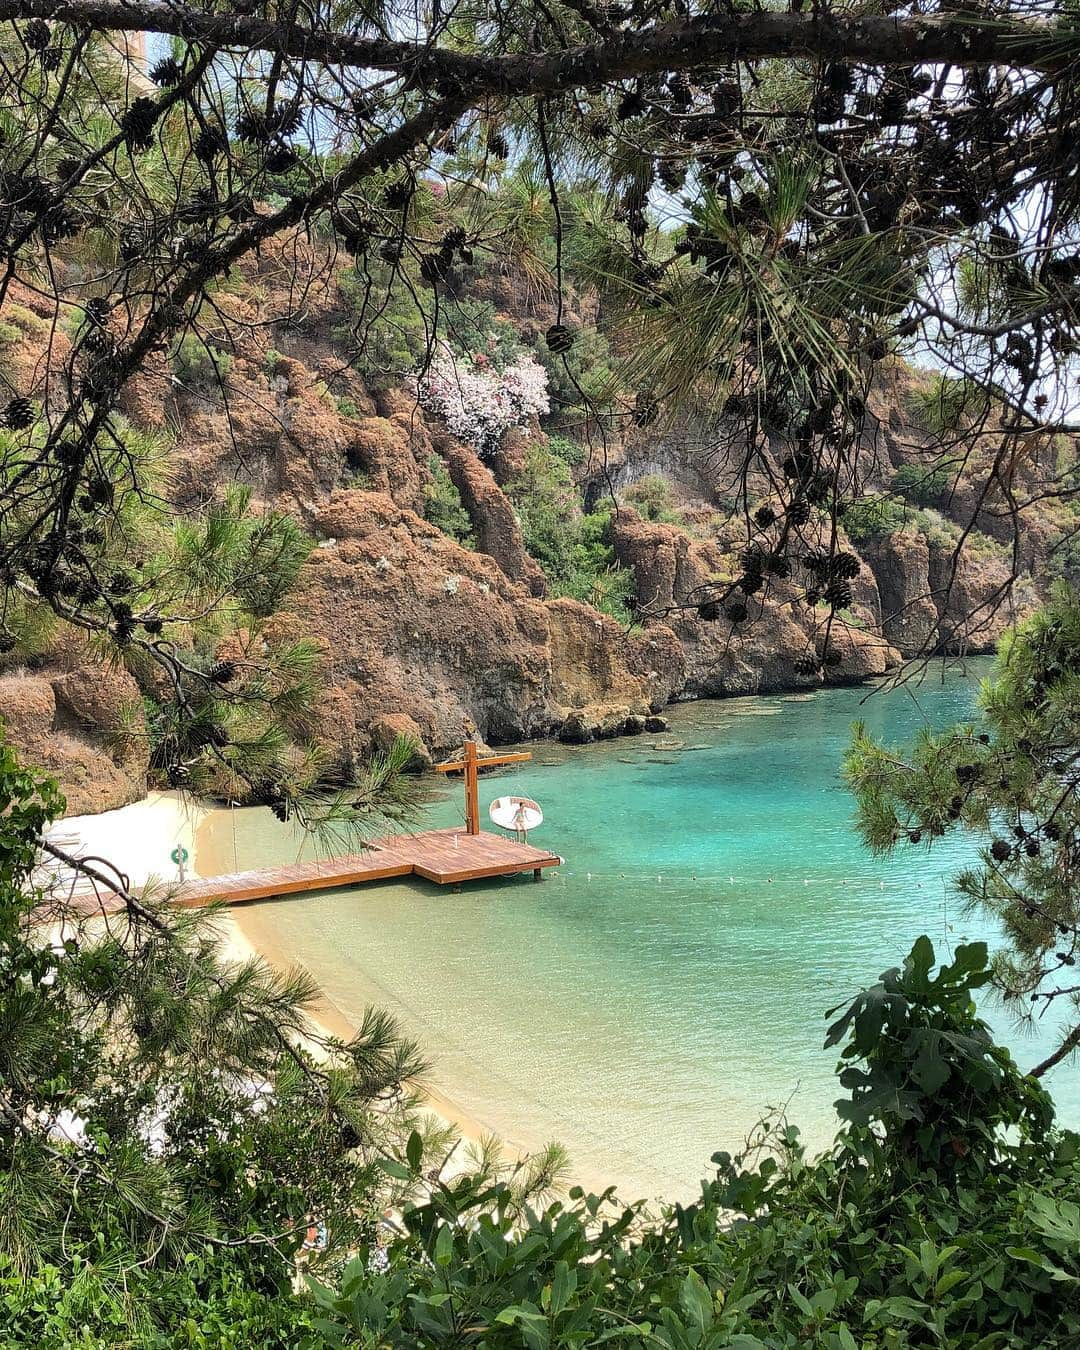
923 486
388 336
546 501
197 362
939 531
946 1214
652 498
442 505
474 326
585 369
9 334
874 518
565 448
574 549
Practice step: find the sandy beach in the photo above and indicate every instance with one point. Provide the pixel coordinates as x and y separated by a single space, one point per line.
140 840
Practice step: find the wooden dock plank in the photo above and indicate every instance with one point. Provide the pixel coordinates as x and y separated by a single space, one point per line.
446 857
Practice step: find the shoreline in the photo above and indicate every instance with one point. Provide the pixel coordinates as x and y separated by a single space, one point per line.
238 946
140 838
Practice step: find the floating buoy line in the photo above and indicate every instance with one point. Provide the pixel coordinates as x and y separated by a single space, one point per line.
663 878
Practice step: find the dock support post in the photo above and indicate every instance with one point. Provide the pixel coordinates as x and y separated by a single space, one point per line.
472 791
538 874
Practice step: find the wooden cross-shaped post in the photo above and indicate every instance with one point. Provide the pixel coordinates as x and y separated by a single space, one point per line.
471 765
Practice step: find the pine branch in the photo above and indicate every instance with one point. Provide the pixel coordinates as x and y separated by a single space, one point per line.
953 39
1067 1046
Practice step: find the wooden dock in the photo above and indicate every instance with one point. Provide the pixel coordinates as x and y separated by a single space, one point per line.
443 856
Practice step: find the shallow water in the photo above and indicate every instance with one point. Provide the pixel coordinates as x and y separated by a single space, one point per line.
666 987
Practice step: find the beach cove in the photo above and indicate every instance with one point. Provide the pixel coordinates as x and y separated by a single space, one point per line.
666 987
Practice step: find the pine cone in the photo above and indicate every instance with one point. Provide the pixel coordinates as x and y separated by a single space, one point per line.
167 72
838 594
59 224
253 128
396 196
764 516
37 35
839 78
646 411
845 567
434 268
559 338
137 123
222 672
19 414
281 159
210 143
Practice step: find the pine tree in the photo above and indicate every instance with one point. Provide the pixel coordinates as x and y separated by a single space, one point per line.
171 1121
1012 778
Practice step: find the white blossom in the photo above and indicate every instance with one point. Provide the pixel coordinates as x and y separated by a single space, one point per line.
479 403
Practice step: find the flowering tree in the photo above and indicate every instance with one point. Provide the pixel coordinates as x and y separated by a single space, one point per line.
479 403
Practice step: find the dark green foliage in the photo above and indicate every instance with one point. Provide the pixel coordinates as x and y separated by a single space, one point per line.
653 499
582 373
200 363
473 328
386 330
573 548
442 505
169 1121
873 518
945 1214
924 486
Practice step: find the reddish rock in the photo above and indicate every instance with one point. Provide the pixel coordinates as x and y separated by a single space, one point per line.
494 523
412 624
93 776
673 573
387 729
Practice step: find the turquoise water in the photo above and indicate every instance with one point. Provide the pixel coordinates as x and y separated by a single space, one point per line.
666 987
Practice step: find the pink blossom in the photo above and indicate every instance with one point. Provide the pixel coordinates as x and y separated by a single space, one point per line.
479 405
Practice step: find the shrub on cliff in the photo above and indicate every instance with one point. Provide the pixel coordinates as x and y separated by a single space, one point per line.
653 499
573 547
479 401
442 505
874 518
945 1213
925 486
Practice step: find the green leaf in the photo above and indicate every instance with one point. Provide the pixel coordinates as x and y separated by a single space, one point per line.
563 1285
696 1301
444 1246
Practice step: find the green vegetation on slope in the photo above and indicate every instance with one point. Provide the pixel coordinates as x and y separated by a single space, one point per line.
572 547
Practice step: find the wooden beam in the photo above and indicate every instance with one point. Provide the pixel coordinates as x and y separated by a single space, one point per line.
471 765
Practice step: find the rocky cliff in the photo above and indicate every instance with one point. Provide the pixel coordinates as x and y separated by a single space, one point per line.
426 632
